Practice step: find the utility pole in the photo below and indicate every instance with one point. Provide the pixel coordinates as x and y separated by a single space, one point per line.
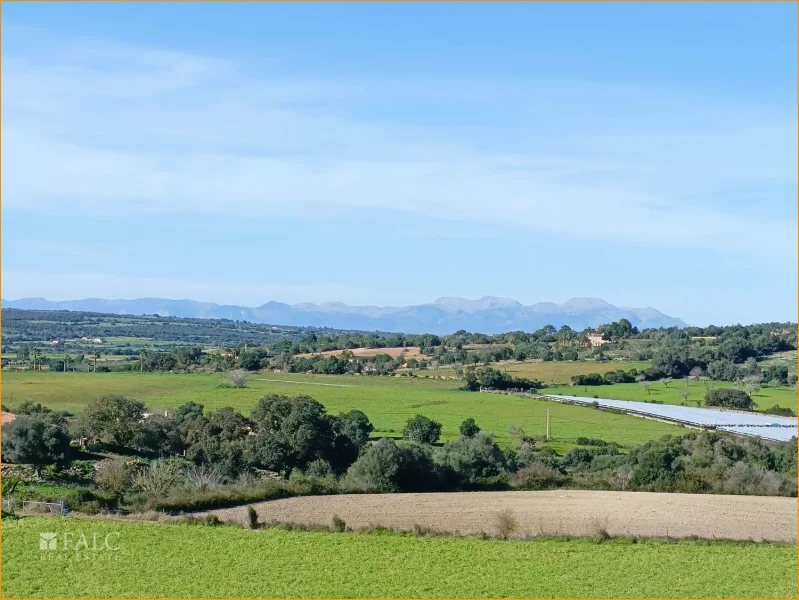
547 424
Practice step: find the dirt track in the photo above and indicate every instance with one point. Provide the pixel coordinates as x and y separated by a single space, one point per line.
557 512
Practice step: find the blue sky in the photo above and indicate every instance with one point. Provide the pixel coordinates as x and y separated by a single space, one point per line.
395 153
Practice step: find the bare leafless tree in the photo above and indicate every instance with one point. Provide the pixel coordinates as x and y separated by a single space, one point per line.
159 477
237 379
620 480
202 477
695 374
751 384
517 432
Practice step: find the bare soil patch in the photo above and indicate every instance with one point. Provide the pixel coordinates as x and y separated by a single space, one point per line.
8 417
369 352
556 512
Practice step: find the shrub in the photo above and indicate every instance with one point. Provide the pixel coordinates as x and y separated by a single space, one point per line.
589 379
584 441
252 517
212 520
472 459
421 531
728 398
389 466
422 430
469 428
600 527
584 456
113 475
79 499
743 478
506 523
318 468
537 476
337 524
780 411
222 497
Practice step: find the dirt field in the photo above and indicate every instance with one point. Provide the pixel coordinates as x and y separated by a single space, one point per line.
8 417
557 512
367 352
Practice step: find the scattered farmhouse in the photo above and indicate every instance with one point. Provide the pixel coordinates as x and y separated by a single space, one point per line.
595 339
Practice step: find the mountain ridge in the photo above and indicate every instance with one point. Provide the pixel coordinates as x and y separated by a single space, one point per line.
489 314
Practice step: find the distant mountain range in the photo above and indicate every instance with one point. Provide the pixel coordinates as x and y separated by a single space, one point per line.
446 315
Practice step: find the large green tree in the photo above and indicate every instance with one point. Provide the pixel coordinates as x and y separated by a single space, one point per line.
113 420
422 429
298 423
34 440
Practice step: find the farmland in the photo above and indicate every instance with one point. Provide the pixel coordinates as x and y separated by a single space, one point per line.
767 397
550 372
787 358
388 401
560 512
191 561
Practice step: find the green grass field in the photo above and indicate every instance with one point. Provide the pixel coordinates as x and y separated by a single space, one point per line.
562 372
550 372
787 358
157 560
388 401
765 398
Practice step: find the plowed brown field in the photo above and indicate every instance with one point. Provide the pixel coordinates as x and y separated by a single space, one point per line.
558 512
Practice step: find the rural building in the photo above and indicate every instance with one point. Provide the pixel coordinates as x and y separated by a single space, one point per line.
595 339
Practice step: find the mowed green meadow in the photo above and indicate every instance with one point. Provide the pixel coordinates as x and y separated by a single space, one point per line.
562 372
765 398
550 372
159 560
388 401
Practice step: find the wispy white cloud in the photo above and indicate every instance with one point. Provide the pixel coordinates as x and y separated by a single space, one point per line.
142 131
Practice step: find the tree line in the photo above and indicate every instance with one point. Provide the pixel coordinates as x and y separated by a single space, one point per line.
222 454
